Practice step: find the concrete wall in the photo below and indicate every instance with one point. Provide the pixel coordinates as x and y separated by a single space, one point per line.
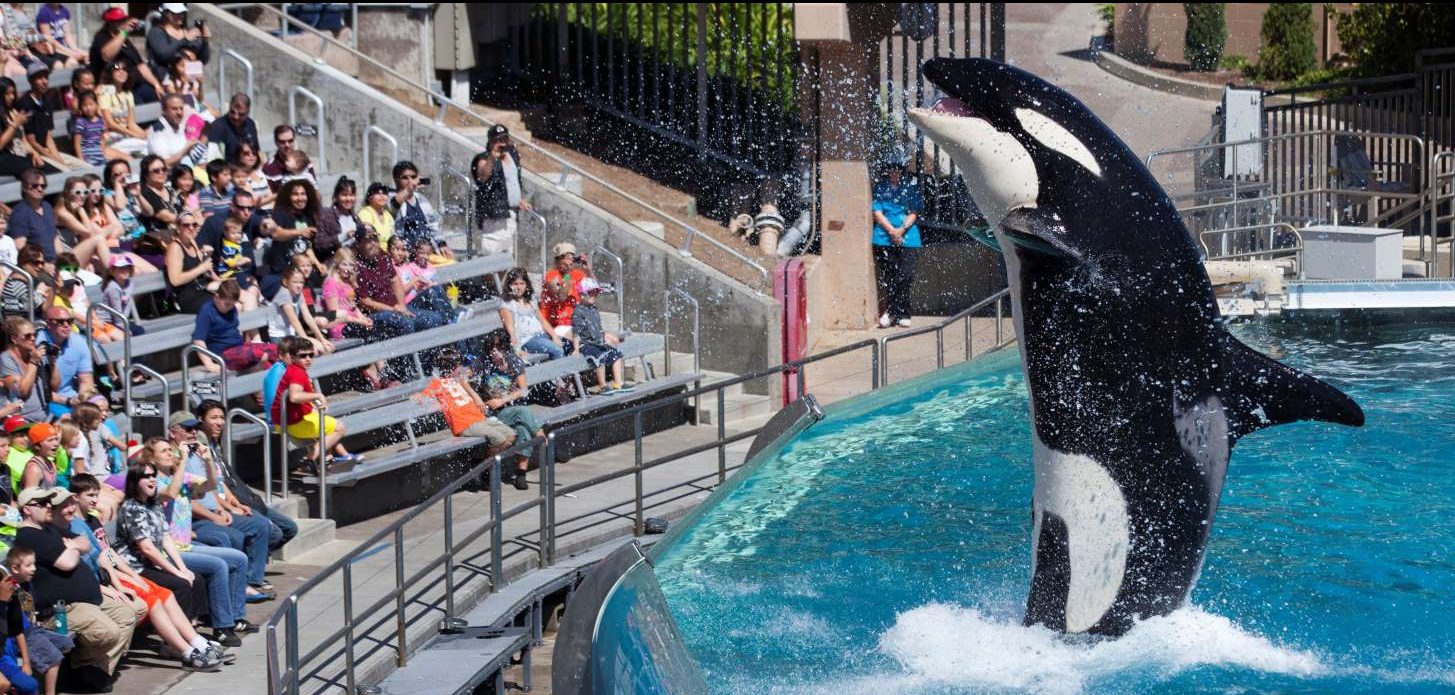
1153 31
740 326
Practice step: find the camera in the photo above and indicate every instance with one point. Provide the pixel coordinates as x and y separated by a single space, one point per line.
200 24
51 350
424 181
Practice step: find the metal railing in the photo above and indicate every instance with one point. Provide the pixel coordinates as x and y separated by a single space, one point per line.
29 283
540 219
369 151
321 132
126 328
139 409
382 626
247 65
1442 194
188 383
999 301
620 279
446 104
1269 250
236 413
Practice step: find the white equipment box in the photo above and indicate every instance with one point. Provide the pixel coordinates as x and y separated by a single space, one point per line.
1352 253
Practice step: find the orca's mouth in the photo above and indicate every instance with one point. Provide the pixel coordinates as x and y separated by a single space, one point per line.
951 106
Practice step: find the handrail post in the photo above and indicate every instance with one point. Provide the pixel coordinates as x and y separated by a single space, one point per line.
349 659
545 241
247 65
999 319
401 636
187 353
291 628
321 131
551 501
497 564
125 342
29 281
449 526
620 279
471 244
543 555
322 411
373 129
230 447
166 389
876 364
640 526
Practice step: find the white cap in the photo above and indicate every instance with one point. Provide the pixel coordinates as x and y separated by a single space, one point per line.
175 7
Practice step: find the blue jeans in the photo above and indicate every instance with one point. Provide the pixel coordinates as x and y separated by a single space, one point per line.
225 571
281 529
251 535
541 344
433 299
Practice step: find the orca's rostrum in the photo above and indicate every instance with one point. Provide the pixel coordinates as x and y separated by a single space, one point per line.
1137 392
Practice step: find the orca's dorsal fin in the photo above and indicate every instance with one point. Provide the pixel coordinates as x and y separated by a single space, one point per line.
1040 231
1261 392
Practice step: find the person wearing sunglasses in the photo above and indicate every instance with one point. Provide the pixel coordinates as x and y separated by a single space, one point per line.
33 221
285 139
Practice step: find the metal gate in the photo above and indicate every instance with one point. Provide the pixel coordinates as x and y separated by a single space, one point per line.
925 31
718 78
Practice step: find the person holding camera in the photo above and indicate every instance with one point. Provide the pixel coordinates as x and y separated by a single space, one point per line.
414 217
112 45
497 192
167 38
71 378
559 296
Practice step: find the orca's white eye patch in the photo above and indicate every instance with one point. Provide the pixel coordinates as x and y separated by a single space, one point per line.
1055 136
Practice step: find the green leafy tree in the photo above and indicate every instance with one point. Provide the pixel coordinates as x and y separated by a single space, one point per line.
1383 38
1288 41
1207 33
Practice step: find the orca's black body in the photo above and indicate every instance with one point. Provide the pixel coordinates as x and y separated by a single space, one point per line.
1138 393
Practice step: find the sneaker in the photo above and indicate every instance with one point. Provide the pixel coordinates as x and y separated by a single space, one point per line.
227 637
464 315
884 321
259 597
244 627
266 587
903 323
348 458
220 652
625 388
200 660
520 482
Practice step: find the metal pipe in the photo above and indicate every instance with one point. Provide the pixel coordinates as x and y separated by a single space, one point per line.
620 279
349 659
640 526
187 353
497 571
291 628
29 283
166 403
125 339
322 411
247 65
548 460
545 242
368 150
321 131
551 502
449 525
401 656
267 450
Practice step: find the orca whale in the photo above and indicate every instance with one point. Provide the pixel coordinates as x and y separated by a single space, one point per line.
1137 391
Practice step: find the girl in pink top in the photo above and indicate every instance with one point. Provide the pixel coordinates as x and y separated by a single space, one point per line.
340 296
417 277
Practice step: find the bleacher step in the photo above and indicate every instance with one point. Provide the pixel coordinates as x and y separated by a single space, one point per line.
294 507
312 535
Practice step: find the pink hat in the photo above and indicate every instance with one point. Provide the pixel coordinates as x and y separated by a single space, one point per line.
121 261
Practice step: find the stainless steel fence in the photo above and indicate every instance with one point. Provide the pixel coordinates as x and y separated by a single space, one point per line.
426 588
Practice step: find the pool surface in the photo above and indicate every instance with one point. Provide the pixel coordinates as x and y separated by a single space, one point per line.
887 548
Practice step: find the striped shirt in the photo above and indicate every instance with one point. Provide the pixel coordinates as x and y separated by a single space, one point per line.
90 132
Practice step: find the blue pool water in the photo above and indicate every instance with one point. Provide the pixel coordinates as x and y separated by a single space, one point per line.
887 548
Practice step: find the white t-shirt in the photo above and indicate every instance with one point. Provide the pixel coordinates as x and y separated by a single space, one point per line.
278 324
8 252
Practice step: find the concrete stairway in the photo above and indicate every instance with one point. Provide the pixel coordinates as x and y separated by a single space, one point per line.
312 533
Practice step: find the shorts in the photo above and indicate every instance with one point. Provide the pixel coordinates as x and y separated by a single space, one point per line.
600 355
491 429
307 428
46 648
148 591
248 355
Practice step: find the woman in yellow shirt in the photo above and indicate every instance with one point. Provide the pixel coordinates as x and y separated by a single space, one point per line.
376 212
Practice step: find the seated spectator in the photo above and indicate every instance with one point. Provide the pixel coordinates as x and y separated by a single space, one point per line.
159 204
286 140
38 137
8 252
232 259
71 380
43 468
82 81
78 228
250 175
105 218
416 277
248 503
598 345
376 212
498 193
524 321
168 619
217 330
117 100
505 391
302 421
43 51
17 435
184 186
15 157
382 294
16 299
296 217
53 20
414 217
167 39
337 223
20 371
88 131
216 196
116 294
216 521
291 315
101 625
161 547
172 137
559 296
340 298
462 406
298 167
237 128
33 220
243 208
30 644
189 266
107 449
183 77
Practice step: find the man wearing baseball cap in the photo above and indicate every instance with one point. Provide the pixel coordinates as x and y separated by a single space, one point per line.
498 193
100 624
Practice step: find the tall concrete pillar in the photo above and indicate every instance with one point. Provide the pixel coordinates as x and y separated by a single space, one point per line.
839 97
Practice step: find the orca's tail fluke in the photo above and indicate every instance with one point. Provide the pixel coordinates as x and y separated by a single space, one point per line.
1261 392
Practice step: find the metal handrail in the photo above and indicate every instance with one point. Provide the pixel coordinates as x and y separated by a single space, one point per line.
620 279
368 151
1442 172
321 409
1270 251
166 389
321 131
468 209
229 447
939 330
187 353
247 65
29 281
444 101
667 296
545 240
125 340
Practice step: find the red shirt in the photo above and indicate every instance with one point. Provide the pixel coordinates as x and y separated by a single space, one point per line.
558 311
296 411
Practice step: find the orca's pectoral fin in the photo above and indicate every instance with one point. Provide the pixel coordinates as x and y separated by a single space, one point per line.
1039 231
1262 392
984 236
